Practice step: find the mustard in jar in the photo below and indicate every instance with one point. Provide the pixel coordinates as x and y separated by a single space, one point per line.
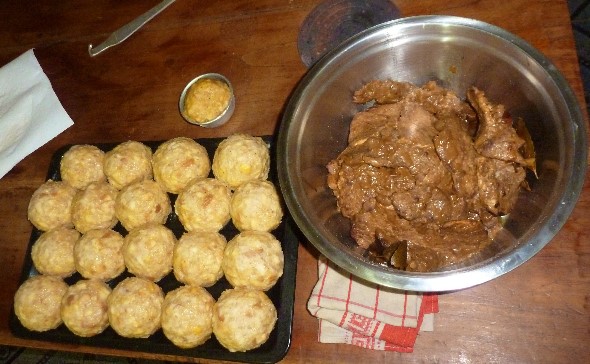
206 99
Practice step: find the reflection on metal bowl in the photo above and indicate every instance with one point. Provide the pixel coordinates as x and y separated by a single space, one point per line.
457 53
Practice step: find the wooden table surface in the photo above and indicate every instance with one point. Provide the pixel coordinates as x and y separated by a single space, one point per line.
538 313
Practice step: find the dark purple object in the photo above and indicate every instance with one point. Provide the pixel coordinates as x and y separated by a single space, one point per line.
333 21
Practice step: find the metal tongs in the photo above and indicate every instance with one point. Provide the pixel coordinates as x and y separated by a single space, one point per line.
128 29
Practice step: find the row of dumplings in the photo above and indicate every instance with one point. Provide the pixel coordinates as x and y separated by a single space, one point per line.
175 163
252 259
241 319
129 185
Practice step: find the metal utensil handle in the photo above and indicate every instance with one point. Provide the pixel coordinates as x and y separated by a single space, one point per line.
128 29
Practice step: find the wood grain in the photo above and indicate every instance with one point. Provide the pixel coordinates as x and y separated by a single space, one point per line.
538 313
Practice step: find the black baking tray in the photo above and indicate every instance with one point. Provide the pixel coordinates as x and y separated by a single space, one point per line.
282 294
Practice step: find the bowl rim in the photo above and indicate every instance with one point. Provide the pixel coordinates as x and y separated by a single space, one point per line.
463 277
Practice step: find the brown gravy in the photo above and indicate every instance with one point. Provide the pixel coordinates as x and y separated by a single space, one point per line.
426 175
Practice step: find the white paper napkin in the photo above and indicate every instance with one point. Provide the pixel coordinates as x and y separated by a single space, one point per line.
30 112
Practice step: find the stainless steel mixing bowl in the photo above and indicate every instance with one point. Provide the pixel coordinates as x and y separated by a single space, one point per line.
458 53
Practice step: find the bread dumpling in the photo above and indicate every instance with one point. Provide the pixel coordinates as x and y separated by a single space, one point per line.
240 158
50 206
82 165
255 205
148 251
198 257
94 207
178 162
37 302
135 307
142 203
53 252
98 254
187 315
204 205
243 319
253 259
84 307
128 163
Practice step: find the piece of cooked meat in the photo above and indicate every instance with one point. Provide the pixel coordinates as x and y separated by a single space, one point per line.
496 137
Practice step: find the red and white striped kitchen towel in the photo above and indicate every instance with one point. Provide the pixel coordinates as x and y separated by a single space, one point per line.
353 311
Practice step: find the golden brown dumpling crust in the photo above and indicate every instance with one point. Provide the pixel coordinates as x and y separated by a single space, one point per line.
204 205
98 254
198 257
84 307
187 315
240 158
179 161
94 207
135 307
37 302
142 203
253 259
81 165
255 205
53 252
148 251
243 319
128 163
50 206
